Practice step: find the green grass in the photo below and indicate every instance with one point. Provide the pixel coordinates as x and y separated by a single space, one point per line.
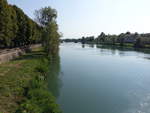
20 79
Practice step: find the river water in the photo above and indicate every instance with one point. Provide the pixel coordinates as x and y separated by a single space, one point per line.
101 79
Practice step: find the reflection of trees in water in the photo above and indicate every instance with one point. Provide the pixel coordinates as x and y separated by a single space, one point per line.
91 45
83 45
113 52
113 48
88 45
54 82
104 49
122 50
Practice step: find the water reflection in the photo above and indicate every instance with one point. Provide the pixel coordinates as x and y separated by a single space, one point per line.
54 81
83 45
121 51
88 45
112 47
91 45
105 79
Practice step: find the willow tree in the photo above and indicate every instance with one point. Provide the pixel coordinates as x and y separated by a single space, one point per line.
46 17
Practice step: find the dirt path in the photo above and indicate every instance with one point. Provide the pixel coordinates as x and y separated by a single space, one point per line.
9 54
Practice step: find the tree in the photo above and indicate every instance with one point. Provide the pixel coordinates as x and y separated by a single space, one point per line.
5 24
139 43
20 39
52 38
101 37
121 39
46 17
128 33
14 26
113 39
83 40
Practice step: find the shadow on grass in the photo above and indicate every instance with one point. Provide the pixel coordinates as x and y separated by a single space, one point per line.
31 55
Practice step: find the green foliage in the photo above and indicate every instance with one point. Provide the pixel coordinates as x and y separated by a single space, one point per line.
16 28
45 15
36 83
52 39
5 23
26 90
44 100
43 66
124 39
27 32
47 18
39 99
139 43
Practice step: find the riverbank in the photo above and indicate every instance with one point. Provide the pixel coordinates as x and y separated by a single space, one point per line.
23 87
125 45
9 54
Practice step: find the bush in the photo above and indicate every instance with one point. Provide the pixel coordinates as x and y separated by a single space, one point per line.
38 98
42 67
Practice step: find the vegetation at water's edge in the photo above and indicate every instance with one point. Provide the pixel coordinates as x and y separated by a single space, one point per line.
23 86
22 82
124 39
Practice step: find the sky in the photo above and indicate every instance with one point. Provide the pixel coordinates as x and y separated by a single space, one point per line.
77 18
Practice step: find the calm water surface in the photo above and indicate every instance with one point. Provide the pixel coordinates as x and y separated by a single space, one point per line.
97 79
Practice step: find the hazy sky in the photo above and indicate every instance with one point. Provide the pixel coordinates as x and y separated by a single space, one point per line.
77 18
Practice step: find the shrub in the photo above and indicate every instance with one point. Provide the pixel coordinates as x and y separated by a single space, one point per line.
42 66
38 98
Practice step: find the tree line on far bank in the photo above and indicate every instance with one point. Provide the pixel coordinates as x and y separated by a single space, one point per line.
123 39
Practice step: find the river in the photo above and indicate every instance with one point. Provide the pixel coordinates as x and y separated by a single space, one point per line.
101 79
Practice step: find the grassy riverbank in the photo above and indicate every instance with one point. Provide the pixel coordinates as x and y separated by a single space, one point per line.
23 88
